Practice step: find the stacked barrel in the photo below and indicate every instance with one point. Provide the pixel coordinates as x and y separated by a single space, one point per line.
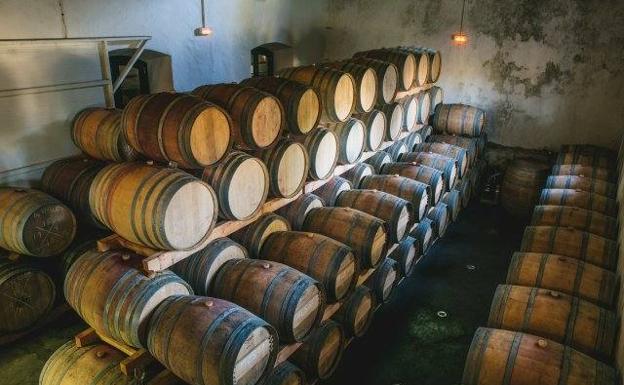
555 314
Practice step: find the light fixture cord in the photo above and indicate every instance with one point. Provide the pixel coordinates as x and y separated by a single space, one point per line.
461 24
203 14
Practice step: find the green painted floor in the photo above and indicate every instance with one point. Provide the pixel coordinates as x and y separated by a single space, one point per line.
408 343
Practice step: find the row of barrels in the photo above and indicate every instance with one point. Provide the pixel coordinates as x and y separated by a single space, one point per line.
555 313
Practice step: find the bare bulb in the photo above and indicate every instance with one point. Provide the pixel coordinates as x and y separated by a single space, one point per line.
203 31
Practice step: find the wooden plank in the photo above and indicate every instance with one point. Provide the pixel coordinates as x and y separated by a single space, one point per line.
125 349
86 338
412 91
136 363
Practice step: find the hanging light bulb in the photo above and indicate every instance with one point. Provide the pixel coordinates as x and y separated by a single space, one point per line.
461 38
203 30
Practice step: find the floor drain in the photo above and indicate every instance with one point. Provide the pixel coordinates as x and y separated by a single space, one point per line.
442 314
471 267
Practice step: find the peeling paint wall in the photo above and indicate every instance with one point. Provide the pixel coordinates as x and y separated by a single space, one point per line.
548 72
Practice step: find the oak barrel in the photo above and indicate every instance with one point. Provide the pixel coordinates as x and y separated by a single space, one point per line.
351 140
580 199
422 67
320 354
302 104
257 116
440 217
286 374
396 149
464 186
589 149
565 274
441 163
98 133
410 112
580 219
336 88
458 119
378 160
424 107
328 261
453 200
573 243
362 232
586 157
375 124
521 186
394 211
296 211
356 313
574 322
403 60
254 235
468 144
424 174
584 171
595 186
412 139
365 78
181 128
330 191
207 340
94 364
426 132
70 180
158 207
455 152
199 269
384 280
502 357
424 235
288 166
34 223
387 78
417 193
357 173
435 64
437 97
242 185
322 148
287 299
406 255
394 120
28 294
114 297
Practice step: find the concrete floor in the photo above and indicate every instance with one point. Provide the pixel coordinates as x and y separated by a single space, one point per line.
408 343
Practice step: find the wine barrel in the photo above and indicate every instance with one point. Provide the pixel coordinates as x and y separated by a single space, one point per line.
421 69
453 200
97 132
404 61
257 116
440 217
586 157
594 186
288 166
289 300
426 132
424 174
458 119
28 294
70 180
589 149
394 120
565 274
295 212
320 354
179 128
436 94
322 258
206 340
73 252
114 297
468 144
574 322
94 364
357 173
424 107
336 88
455 152
286 374
362 232
365 78
580 219
435 65
158 207
375 124
441 163
322 148
571 243
410 112
34 223
512 358
387 78
605 174
412 139
394 211
384 280
406 255
199 269
580 199
330 191
464 186
254 235
302 104
396 150
242 183
424 235
521 186
417 193
378 160
351 140
356 313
